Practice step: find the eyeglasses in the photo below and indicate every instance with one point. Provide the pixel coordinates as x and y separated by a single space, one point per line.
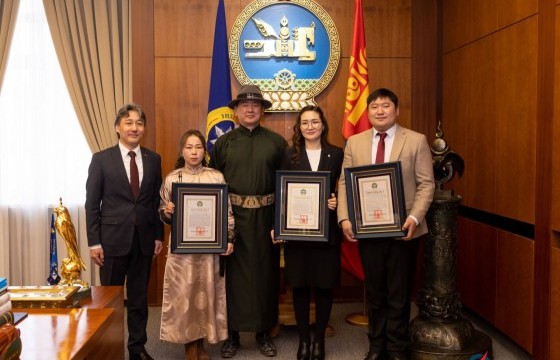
312 123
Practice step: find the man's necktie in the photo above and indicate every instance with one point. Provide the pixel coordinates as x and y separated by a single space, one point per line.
134 177
380 155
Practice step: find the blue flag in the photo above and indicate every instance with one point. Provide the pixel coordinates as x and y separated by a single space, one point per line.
220 118
53 273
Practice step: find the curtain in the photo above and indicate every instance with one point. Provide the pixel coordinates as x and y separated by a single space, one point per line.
92 41
43 154
8 11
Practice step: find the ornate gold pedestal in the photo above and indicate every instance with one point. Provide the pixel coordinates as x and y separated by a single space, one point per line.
440 331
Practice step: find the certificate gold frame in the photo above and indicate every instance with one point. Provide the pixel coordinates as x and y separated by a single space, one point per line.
199 224
376 204
301 205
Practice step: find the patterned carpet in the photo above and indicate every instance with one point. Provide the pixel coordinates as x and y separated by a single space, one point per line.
347 343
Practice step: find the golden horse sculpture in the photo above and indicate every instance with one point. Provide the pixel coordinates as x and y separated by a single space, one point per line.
72 266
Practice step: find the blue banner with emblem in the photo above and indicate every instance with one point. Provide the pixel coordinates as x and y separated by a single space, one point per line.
53 278
220 118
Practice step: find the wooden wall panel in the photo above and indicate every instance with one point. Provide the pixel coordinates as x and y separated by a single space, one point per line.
543 178
517 99
506 49
478 270
515 281
482 18
512 11
426 68
555 194
177 105
343 13
204 68
555 304
280 123
186 28
481 125
455 26
142 33
394 74
455 117
388 27
332 101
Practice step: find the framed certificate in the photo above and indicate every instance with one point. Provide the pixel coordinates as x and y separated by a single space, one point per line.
200 221
375 198
301 205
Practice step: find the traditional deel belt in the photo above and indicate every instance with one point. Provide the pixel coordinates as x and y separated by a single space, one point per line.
251 201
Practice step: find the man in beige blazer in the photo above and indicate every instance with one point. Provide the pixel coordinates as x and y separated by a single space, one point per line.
386 261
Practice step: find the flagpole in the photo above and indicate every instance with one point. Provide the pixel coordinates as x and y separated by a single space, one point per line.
356 318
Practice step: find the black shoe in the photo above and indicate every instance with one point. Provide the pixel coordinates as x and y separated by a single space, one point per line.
303 351
374 355
230 345
318 352
142 355
266 344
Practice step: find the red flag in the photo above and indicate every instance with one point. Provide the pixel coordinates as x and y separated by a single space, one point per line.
357 90
355 118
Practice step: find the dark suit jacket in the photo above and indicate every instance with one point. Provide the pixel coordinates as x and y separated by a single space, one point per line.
331 160
111 210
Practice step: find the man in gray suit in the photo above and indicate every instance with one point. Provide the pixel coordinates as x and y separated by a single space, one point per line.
123 226
386 261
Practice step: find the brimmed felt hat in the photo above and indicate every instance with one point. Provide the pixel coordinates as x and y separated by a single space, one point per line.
250 92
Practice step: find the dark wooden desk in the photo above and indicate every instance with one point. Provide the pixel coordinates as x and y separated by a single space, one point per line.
93 331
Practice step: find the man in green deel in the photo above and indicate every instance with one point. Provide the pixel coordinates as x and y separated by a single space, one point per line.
249 157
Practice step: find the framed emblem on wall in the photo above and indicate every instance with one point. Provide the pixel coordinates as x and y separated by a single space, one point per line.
290 49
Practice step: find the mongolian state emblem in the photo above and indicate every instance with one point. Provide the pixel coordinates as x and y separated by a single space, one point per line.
290 49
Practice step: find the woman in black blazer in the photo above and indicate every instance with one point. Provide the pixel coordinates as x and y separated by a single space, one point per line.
313 265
